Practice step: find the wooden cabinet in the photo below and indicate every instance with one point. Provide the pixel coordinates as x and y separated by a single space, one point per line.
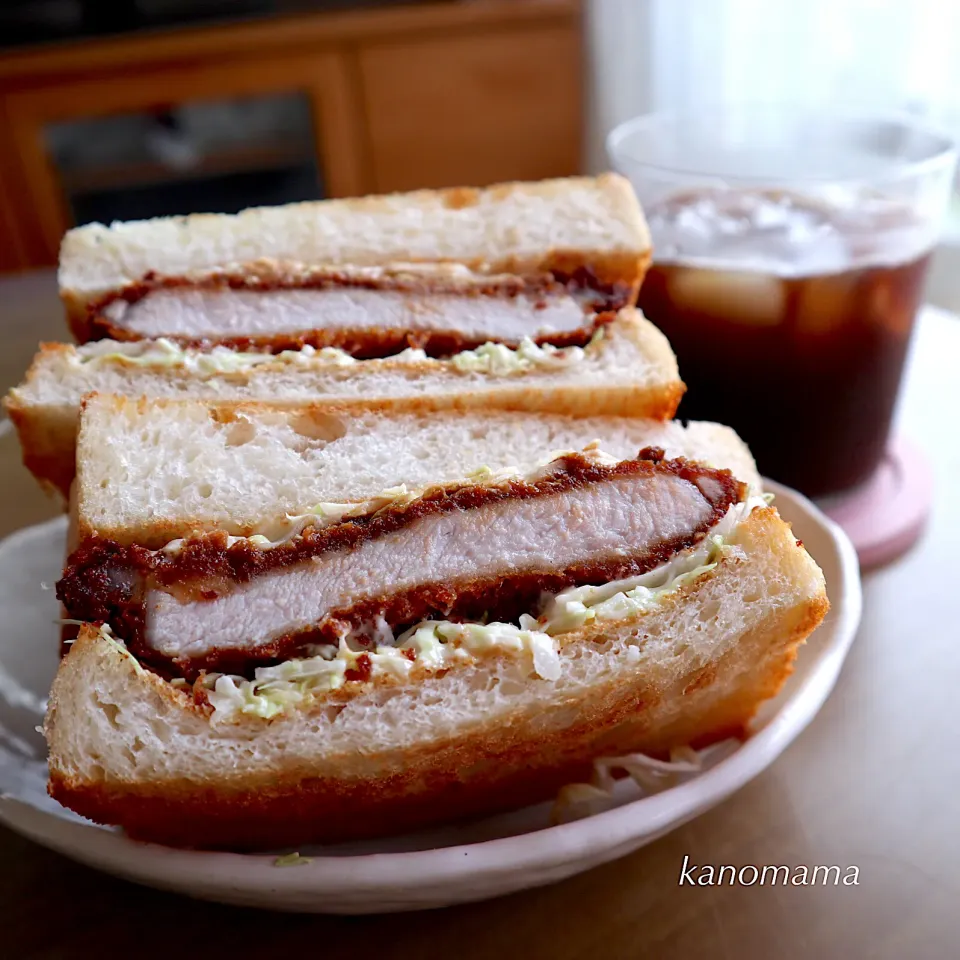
474 109
421 96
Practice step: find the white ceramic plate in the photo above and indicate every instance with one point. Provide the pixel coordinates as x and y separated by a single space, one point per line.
453 865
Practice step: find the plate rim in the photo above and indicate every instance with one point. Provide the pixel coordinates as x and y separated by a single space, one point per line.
589 841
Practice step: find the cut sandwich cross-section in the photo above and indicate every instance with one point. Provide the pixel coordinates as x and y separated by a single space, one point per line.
488 602
481 551
355 267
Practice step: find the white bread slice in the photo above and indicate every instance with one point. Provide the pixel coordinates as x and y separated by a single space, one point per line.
127 748
521 228
151 471
630 371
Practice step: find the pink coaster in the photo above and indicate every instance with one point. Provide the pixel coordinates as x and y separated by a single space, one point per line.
886 516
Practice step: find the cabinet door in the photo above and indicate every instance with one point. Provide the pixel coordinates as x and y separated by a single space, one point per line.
39 202
476 109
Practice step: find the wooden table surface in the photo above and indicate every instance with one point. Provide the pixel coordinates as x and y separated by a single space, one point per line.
873 782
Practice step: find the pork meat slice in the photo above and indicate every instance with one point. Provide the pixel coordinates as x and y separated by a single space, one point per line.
607 526
344 314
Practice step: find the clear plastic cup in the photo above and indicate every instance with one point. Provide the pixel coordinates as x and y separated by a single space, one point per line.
790 251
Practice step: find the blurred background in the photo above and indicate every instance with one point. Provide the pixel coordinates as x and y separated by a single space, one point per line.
120 109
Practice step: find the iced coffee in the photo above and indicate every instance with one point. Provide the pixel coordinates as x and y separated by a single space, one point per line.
790 318
790 247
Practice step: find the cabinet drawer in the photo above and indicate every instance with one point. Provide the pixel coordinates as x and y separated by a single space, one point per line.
498 105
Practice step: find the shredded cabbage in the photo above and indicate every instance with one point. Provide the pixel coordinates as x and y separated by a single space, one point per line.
491 358
106 634
619 599
578 800
291 860
500 360
164 353
433 644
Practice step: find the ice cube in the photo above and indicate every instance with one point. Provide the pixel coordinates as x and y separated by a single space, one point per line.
743 297
825 303
888 307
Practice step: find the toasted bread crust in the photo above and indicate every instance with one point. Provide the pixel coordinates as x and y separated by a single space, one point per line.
48 443
482 767
480 773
